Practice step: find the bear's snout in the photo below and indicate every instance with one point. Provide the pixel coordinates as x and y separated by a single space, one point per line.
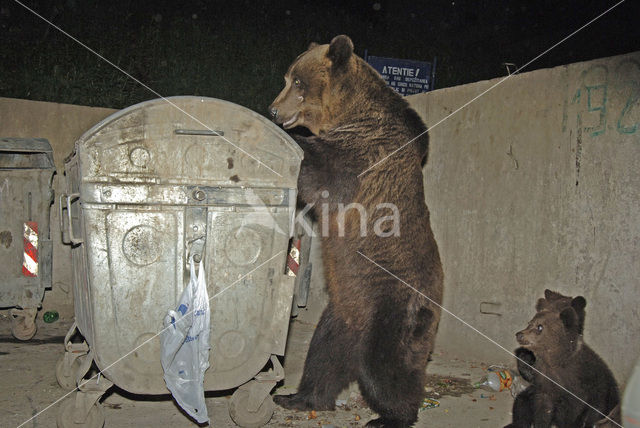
273 112
520 338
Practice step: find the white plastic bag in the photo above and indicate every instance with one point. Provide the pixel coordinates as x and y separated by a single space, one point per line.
185 346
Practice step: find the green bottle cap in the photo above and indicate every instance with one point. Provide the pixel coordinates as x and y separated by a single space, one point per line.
50 316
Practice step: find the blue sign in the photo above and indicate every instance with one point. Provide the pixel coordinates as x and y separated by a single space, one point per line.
405 76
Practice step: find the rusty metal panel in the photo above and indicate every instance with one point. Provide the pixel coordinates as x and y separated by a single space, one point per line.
26 195
151 186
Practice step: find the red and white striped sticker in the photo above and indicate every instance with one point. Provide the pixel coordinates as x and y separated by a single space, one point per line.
293 259
30 259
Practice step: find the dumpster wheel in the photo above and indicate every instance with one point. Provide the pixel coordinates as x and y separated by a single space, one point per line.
239 407
65 419
75 362
68 380
23 325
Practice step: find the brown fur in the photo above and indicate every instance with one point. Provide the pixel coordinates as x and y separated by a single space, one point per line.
554 336
552 301
375 329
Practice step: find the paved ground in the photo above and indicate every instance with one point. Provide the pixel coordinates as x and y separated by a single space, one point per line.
29 388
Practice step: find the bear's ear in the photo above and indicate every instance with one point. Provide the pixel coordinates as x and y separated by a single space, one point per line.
542 304
551 295
569 319
312 45
340 50
578 304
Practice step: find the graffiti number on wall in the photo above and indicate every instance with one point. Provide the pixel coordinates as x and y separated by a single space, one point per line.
600 97
632 102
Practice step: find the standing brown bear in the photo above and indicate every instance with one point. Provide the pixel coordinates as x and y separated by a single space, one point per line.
380 323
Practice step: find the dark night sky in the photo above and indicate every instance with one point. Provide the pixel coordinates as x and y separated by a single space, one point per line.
239 50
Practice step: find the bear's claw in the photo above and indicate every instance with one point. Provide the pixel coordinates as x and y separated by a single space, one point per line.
292 402
302 402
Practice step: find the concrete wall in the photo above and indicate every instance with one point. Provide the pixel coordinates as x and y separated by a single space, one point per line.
61 124
536 185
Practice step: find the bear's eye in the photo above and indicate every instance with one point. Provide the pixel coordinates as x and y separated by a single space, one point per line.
539 328
296 83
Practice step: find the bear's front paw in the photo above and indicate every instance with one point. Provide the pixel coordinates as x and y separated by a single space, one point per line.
293 402
526 360
525 355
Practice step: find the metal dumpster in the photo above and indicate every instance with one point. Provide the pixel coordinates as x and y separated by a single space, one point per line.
148 188
26 196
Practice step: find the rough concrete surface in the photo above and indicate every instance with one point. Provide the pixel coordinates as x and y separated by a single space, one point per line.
29 387
536 185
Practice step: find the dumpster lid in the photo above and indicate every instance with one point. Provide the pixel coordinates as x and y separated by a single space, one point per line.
29 145
188 139
25 153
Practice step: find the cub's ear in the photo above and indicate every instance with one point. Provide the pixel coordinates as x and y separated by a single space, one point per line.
578 303
569 319
552 295
340 50
312 45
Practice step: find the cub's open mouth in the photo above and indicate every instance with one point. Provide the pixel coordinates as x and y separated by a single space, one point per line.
290 122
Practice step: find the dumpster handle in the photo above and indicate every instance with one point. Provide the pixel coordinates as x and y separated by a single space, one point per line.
72 237
61 217
206 132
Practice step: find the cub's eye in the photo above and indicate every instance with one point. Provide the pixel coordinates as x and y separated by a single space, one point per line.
539 328
296 83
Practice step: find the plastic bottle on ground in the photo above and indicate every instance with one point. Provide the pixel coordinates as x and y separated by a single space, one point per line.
495 381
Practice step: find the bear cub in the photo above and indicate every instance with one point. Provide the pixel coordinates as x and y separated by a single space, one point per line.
553 340
552 301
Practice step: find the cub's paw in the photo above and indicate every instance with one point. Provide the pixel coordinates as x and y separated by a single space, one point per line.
525 355
525 363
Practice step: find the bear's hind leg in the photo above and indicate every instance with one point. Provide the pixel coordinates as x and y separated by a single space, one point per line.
394 360
327 368
395 393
